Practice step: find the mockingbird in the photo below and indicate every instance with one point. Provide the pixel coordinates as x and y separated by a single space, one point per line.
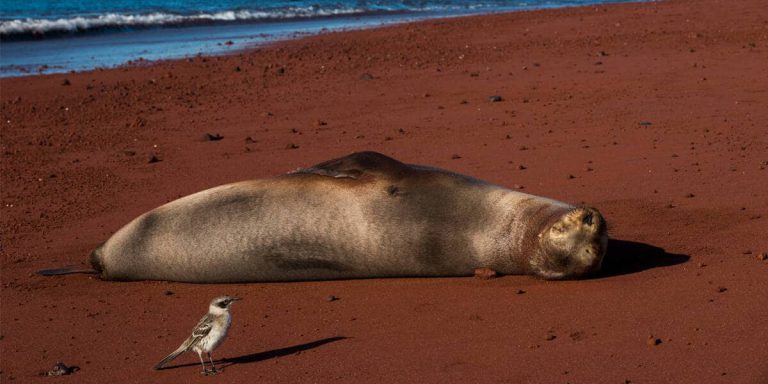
208 334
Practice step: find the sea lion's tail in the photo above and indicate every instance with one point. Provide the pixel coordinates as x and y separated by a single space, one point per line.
95 260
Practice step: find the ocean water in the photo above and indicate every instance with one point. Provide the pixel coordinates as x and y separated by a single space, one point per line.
71 35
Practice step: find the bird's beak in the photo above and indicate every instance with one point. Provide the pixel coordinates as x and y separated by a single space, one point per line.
236 299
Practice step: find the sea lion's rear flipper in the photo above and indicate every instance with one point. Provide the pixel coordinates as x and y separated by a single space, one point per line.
68 270
354 166
95 260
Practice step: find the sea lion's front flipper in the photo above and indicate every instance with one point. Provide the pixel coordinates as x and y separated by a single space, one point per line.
354 166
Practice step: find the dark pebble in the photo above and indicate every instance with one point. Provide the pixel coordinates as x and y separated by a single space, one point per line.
495 99
212 137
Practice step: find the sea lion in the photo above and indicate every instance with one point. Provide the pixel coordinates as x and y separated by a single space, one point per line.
361 216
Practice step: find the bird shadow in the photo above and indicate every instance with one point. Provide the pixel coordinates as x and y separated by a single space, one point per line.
266 355
625 257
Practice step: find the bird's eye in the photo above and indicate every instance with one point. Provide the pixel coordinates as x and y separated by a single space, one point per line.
223 304
587 219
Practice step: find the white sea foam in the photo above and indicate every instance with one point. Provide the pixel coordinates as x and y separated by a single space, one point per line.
114 20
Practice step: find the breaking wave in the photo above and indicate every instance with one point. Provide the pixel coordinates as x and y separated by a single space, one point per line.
21 28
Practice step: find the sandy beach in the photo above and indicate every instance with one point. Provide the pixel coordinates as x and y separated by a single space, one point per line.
655 113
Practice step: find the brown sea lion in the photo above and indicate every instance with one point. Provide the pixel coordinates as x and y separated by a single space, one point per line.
361 216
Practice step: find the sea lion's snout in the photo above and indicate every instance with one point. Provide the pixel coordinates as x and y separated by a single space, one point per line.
574 245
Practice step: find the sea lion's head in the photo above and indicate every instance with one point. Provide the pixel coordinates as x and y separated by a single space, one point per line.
572 245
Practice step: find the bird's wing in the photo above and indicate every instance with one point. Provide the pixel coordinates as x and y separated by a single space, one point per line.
202 328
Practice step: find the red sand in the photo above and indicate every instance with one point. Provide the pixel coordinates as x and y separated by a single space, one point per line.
657 111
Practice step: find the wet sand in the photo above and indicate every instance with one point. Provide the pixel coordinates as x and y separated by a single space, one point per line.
655 113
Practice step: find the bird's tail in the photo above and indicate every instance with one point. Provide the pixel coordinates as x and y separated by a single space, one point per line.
183 348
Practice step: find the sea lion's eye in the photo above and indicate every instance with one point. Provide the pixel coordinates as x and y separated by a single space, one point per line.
558 229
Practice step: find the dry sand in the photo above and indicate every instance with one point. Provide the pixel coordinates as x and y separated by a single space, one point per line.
655 113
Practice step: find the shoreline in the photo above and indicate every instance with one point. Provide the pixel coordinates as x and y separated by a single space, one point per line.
115 49
651 112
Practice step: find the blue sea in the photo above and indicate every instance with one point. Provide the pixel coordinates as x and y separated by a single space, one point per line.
72 35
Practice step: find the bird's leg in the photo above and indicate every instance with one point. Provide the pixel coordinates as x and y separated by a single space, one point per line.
205 371
213 367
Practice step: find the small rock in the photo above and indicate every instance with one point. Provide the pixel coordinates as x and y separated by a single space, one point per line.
571 177
690 195
746 252
228 42
495 99
653 341
66 82
518 186
645 123
455 157
60 369
292 146
519 292
249 140
485 273
550 337
212 137
168 292
153 159
721 289
762 257
331 298
366 76
320 123
522 167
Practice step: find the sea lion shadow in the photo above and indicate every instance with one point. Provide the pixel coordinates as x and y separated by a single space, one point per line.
266 355
625 257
